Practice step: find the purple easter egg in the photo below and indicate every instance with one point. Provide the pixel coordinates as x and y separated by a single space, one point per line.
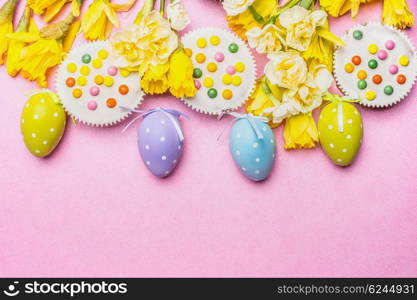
159 143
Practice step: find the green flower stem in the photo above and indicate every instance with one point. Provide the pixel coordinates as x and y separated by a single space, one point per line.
23 24
162 7
258 18
7 11
306 3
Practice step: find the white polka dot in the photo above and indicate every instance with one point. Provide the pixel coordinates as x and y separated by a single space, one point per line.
255 145
162 139
166 172
179 147
355 112
257 172
35 116
244 169
264 128
272 141
237 152
344 150
350 121
321 116
339 160
52 129
37 151
148 162
331 145
27 105
23 121
334 110
147 147
257 159
45 142
148 130
42 101
163 157
330 126
348 136
174 161
162 122
33 135
273 155
56 115
238 136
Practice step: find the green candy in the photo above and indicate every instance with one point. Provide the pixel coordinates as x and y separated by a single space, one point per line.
362 84
212 93
388 90
197 73
373 64
233 47
86 58
357 35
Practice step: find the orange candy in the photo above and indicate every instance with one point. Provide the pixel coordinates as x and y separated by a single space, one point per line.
377 79
70 82
111 102
356 60
401 79
123 89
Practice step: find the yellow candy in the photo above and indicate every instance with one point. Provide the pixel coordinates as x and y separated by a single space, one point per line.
362 74
208 82
240 67
82 80
200 58
349 68
227 94
201 43
97 63
370 95
77 93
373 48
227 79
85 70
236 80
214 40
108 81
404 61
72 67
103 54
124 72
99 80
188 52
212 67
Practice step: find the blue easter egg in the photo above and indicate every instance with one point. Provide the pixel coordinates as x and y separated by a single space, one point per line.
159 144
253 156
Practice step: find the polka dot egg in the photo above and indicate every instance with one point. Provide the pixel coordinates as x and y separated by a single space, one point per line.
253 156
340 132
159 143
42 123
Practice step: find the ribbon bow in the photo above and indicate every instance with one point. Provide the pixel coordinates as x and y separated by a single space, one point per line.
251 119
339 100
170 113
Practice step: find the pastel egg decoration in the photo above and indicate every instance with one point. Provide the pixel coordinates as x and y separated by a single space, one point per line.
160 141
340 132
252 145
42 123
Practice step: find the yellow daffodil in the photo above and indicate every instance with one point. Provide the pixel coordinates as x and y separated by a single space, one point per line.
6 26
44 51
300 132
155 79
16 46
268 39
245 21
98 21
149 43
397 13
265 96
337 8
180 75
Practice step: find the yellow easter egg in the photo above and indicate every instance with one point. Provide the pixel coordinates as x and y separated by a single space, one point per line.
340 131
42 123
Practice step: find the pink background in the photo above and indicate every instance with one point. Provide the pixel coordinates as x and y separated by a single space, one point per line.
92 208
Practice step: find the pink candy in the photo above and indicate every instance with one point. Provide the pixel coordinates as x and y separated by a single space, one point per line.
112 71
197 84
393 69
390 45
94 91
230 70
219 57
382 54
92 105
